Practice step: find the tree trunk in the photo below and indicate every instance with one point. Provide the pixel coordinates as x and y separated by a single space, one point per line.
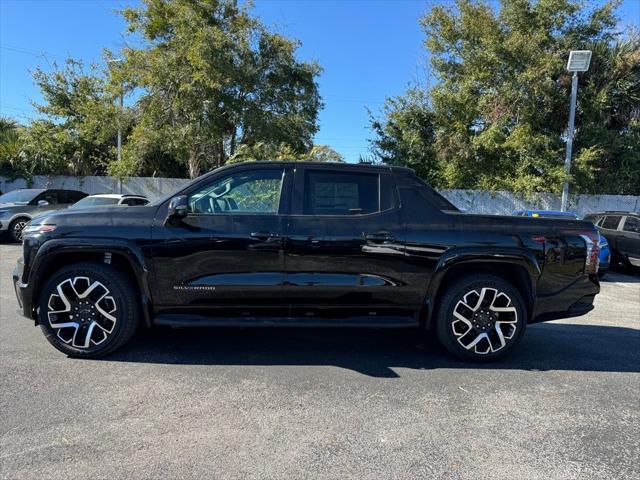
221 155
195 162
232 148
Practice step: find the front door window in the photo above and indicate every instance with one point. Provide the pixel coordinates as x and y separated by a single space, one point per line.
253 192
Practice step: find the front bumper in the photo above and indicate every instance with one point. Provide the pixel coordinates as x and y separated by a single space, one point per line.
23 292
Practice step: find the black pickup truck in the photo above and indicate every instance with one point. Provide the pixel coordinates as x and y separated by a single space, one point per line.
303 244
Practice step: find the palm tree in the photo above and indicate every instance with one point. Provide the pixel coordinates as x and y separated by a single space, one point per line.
10 145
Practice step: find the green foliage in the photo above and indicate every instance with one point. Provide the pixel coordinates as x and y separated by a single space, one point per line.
263 151
78 132
496 118
12 163
406 135
214 78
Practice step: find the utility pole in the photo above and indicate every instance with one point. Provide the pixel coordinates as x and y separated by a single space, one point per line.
570 131
120 130
111 62
578 62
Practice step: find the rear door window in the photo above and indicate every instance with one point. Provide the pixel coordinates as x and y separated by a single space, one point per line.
74 196
611 222
134 201
631 224
341 193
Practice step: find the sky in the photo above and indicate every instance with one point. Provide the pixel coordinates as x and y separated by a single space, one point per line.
369 50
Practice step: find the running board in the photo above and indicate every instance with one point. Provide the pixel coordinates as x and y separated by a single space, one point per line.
182 320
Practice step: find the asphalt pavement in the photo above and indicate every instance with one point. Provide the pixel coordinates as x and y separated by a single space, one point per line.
296 403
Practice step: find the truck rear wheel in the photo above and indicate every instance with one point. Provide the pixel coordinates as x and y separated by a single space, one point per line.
481 318
88 310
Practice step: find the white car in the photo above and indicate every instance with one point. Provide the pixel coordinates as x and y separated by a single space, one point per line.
108 199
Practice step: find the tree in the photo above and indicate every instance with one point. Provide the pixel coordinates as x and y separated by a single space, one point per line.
213 78
264 151
11 148
406 134
78 132
499 109
608 140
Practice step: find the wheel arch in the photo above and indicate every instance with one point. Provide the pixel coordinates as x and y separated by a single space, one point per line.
20 215
519 269
53 255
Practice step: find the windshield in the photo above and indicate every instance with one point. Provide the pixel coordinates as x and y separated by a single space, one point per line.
21 197
95 202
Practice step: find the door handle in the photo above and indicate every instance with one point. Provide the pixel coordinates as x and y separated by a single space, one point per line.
379 237
265 235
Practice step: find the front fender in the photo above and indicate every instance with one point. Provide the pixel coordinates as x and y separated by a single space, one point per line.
51 250
6 222
475 256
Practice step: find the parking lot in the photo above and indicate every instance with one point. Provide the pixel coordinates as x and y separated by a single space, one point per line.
300 403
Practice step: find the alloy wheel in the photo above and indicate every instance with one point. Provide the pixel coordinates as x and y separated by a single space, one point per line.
83 312
485 320
17 230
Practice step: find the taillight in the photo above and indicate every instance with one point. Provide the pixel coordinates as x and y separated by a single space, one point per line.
592 261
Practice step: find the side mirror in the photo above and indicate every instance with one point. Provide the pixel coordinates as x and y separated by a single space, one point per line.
178 209
42 203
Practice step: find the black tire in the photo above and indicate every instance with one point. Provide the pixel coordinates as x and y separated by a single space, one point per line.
500 339
15 229
121 294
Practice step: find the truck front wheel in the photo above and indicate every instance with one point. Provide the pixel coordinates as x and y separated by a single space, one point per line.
480 318
88 310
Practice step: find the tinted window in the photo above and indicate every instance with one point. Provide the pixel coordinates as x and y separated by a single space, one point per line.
611 222
69 196
50 196
255 191
344 193
134 201
74 196
631 224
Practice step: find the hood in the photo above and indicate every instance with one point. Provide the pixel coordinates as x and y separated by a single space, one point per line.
106 216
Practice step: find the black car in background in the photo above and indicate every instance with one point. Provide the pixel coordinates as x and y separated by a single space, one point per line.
303 244
622 230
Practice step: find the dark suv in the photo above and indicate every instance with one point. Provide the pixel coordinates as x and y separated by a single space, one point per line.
304 244
622 230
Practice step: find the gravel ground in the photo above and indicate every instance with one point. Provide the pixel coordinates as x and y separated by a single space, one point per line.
294 403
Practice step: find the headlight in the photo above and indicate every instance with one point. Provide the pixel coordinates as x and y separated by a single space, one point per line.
38 229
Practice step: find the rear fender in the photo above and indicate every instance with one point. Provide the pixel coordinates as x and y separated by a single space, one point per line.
482 258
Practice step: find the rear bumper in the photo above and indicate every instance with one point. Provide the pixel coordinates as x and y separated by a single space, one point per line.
572 301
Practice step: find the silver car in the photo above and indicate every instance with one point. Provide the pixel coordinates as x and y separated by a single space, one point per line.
19 206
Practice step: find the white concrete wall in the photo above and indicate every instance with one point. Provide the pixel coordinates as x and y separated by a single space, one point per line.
473 201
